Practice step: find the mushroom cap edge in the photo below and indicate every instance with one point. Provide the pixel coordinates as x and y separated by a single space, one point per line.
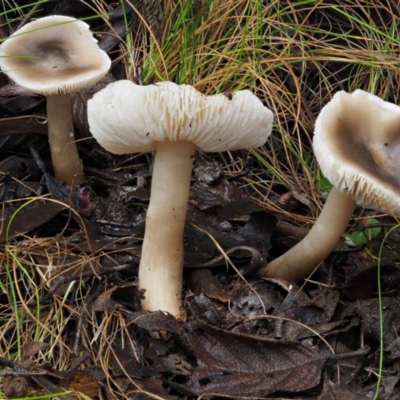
127 118
367 167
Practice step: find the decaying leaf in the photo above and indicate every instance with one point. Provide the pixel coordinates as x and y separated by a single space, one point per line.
234 364
231 364
368 311
240 229
202 281
129 295
30 217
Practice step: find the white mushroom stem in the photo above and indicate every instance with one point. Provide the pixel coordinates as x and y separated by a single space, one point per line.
64 154
301 260
161 265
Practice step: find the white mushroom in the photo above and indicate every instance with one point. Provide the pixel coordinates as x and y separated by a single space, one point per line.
54 56
357 144
172 120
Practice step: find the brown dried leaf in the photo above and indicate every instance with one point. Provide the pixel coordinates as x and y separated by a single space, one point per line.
29 218
15 386
128 295
32 348
239 365
203 281
236 365
368 311
83 382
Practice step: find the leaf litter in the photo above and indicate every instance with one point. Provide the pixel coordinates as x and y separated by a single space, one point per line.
244 337
263 346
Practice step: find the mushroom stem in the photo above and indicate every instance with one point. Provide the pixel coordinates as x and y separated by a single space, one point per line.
301 260
161 265
64 154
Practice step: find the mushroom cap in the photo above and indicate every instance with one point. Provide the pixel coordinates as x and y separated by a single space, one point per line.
128 118
357 144
53 55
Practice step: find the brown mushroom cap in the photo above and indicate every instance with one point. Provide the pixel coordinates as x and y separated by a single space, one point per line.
127 118
53 55
357 144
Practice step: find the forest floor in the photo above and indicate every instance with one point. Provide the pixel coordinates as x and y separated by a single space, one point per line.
71 321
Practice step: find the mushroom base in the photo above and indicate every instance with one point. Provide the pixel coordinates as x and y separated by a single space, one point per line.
161 265
301 260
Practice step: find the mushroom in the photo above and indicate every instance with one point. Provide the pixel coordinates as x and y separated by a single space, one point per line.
172 120
54 56
357 144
